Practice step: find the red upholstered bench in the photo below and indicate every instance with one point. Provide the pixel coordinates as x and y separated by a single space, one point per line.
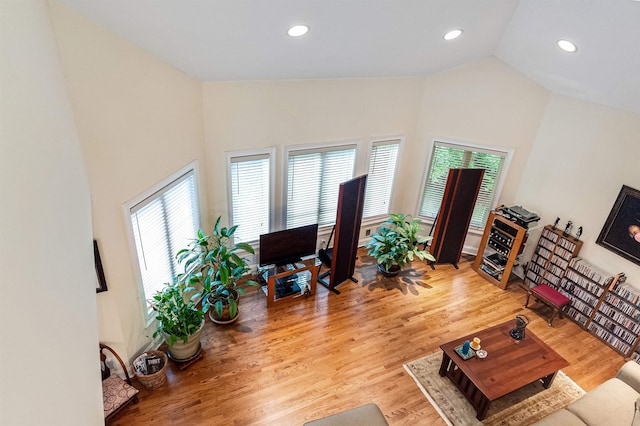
550 297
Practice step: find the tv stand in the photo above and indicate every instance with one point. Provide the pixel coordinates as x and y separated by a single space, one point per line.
286 282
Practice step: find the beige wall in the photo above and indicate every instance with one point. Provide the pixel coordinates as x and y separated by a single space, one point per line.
49 370
139 120
583 154
485 102
246 115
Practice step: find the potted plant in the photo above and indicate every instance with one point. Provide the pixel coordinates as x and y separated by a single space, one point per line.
213 262
396 244
180 320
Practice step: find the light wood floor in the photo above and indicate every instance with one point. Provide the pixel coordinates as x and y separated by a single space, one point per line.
311 358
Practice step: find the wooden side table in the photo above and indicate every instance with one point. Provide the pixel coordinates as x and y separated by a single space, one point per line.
510 365
307 271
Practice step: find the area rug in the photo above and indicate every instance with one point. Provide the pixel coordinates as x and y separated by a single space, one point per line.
522 407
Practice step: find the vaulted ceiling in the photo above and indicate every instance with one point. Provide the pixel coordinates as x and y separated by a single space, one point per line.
224 40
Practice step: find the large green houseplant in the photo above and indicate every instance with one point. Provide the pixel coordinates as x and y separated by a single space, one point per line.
213 261
397 243
180 321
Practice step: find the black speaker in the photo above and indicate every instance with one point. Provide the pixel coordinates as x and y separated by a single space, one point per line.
456 209
348 220
342 256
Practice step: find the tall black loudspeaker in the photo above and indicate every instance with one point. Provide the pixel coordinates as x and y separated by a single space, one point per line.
348 218
452 224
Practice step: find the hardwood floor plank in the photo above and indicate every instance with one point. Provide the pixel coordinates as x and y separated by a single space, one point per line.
314 357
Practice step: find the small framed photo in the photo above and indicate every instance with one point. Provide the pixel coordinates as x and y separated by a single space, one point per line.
621 231
101 282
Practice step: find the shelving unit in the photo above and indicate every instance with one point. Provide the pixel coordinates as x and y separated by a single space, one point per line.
602 304
617 320
551 258
285 283
585 285
501 243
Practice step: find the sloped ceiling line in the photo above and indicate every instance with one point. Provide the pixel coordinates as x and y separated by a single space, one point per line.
230 40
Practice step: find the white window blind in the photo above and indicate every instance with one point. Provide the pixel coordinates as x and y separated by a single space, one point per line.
162 224
446 156
250 196
313 183
382 170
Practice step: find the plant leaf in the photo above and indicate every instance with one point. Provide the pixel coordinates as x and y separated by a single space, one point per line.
246 247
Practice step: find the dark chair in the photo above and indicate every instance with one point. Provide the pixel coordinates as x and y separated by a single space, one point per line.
116 393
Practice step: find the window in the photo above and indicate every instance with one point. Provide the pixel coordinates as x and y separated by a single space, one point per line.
382 171
250 181
313 182
452 155
163 223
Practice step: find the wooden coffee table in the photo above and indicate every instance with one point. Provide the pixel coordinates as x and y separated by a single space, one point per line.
510 365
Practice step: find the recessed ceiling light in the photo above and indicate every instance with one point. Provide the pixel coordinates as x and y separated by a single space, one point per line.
452 35
567 46
298 30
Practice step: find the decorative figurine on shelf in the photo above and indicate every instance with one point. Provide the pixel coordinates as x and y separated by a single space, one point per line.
567 229
521 324
579 233
465 347
555 224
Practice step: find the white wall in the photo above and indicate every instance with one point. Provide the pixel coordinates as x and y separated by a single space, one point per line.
49 369
583 154
139 120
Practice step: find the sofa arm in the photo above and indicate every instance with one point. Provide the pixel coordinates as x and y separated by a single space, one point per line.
630 374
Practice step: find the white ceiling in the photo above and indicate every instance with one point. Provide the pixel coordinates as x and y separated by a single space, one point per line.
219 40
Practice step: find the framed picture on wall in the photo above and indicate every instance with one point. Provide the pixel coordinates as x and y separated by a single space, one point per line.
621 231
101 282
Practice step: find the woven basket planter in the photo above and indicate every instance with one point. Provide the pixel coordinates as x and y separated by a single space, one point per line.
157 379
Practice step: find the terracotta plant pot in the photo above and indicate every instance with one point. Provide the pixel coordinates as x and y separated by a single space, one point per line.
225 318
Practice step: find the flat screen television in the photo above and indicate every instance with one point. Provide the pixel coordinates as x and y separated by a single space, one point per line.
288 246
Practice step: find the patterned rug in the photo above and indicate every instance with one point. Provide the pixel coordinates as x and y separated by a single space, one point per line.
522 407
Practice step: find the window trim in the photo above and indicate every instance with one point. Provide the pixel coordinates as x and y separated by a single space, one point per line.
147 317
356 144
271 153
381 139
508 151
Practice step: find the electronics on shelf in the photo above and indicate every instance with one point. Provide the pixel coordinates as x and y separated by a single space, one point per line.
503 240
520 215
